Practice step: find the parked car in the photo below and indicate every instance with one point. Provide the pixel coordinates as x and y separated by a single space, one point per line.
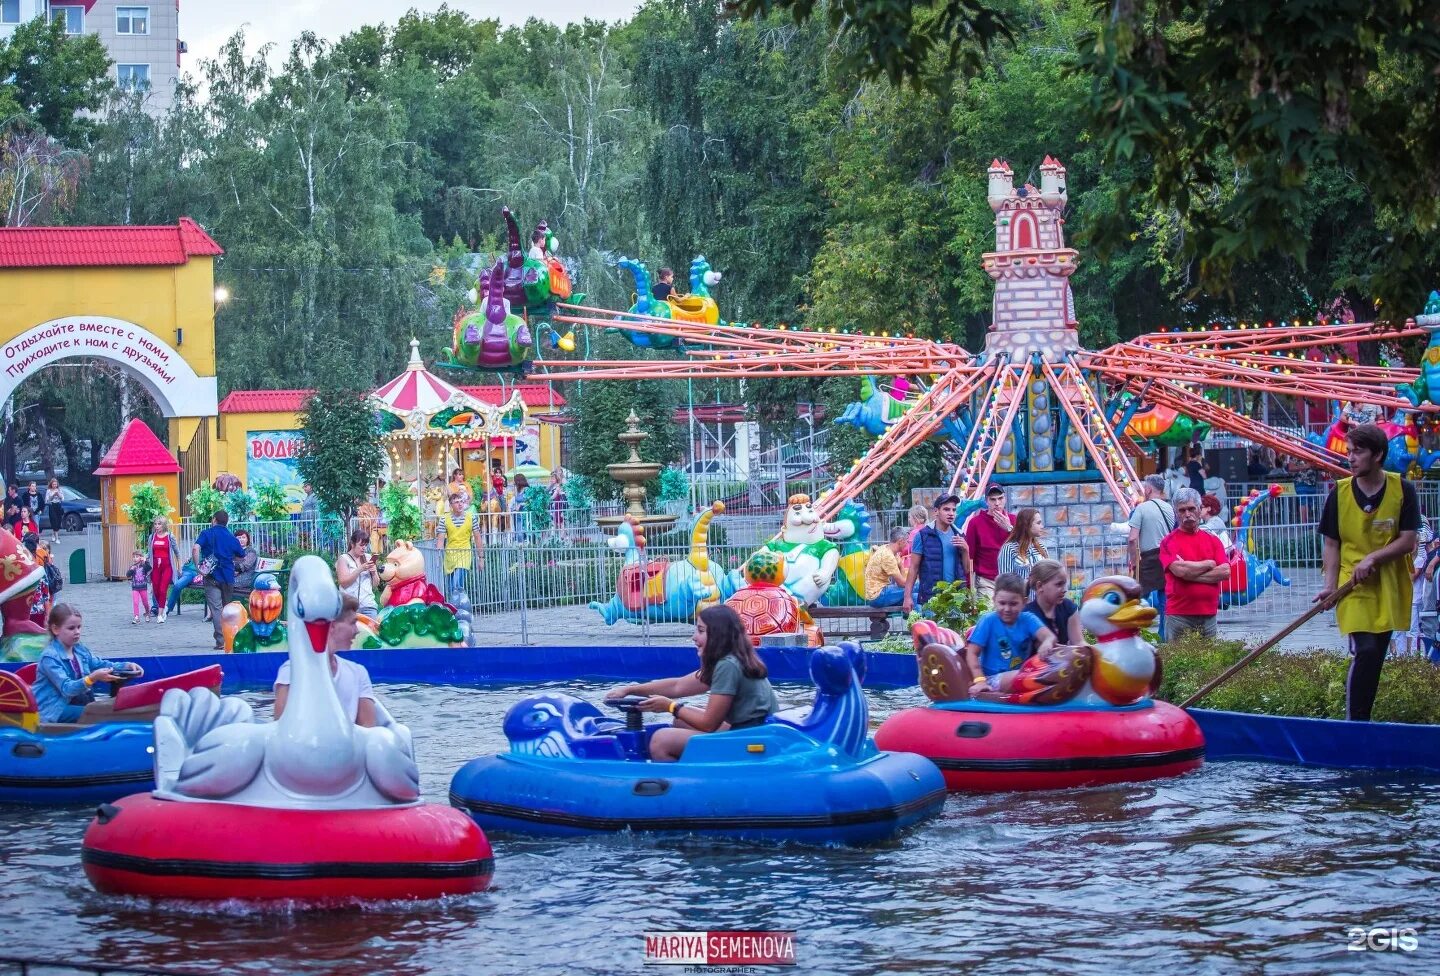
78 511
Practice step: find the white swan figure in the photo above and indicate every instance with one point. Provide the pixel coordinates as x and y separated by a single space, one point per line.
313 758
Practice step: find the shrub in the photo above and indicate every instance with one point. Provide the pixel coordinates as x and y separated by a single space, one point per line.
673 485
535 502
240 504
956 606
271 503
148 501
1306 684
403 519
204 502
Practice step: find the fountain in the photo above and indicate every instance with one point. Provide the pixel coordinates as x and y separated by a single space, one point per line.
633 473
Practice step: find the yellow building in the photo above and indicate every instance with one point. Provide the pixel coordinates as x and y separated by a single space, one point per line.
140 297
260 429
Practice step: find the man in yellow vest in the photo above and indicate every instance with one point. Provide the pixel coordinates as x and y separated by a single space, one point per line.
1369 526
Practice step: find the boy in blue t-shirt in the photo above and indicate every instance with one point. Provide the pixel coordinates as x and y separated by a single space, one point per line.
1004 638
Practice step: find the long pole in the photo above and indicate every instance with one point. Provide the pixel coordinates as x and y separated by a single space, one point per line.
1245 661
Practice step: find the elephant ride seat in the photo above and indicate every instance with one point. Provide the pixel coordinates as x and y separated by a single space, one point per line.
634 582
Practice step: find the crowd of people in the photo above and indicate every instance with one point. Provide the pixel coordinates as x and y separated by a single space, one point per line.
1180 552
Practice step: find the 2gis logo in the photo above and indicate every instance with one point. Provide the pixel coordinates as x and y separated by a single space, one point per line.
1380 939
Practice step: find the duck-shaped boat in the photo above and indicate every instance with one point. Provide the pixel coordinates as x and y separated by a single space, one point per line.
818 779
310 808
1079 717
61 762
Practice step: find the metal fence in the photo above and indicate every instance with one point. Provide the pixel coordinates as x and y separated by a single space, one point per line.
270 539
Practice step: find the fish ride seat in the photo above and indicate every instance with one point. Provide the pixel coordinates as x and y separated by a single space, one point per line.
878 617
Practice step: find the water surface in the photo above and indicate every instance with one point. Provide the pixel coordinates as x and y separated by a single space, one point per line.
1236 868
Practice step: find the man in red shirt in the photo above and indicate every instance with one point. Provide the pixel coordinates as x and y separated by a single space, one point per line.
1195 565
985 533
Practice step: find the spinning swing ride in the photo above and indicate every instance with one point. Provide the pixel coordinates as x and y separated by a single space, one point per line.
1033 403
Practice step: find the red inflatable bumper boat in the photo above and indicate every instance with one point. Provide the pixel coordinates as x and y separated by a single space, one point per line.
143 845
993 747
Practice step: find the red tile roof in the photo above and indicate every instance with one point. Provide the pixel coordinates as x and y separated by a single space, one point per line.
81 247
137 451
265 401
534 394
290 401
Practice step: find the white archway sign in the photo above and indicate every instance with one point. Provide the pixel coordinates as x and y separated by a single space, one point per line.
176 387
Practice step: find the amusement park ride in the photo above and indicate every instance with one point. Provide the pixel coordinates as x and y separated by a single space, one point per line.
1033 405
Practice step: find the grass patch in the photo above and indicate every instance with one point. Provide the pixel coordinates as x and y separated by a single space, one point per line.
1306 684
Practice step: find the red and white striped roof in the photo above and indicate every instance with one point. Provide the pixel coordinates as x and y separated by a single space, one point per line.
417 389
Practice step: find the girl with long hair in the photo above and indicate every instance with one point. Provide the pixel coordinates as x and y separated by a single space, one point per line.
1024 549
730 670
1048 584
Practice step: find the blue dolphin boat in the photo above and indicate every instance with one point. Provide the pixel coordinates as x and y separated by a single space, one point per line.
819 779
93 764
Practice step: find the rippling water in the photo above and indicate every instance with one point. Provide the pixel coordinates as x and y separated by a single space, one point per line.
1237 868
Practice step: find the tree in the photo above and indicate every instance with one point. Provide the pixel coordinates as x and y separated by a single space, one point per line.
340 455
51 80
1233 106
39 177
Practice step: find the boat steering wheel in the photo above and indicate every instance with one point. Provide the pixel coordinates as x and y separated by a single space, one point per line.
634 718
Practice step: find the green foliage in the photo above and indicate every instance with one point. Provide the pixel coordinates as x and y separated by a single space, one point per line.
148 501
48 79
1307 684
403 518
535 502
673 485
271 503
240 504
204 502
579 499
956 606
340 456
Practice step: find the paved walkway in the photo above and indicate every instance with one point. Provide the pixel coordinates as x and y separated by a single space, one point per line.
108 630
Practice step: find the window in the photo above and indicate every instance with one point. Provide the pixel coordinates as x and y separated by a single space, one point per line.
9 11
133 77
72 17
132 20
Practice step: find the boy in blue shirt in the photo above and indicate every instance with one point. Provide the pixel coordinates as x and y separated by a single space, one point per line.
1004 638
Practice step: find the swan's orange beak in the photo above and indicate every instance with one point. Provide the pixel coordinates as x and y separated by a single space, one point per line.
319 634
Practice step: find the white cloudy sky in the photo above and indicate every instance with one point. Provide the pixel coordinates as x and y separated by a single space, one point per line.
206 24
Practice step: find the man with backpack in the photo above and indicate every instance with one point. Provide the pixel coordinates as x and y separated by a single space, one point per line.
1150 522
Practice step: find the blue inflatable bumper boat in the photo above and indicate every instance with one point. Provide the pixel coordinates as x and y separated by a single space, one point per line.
94 764
571 771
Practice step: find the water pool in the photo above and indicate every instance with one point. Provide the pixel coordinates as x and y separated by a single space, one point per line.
1236 868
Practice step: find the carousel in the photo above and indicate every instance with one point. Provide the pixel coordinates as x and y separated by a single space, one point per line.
426 424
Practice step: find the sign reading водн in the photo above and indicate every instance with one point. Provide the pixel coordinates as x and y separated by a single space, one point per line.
176 387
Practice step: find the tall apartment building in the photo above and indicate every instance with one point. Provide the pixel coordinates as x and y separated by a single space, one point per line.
143 39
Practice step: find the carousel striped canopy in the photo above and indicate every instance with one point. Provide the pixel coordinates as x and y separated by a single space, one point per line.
417 389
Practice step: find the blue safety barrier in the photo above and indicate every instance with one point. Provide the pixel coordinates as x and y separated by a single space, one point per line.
1319 742
477 666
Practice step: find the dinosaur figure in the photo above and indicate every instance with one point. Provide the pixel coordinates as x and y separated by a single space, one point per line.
491 337
698 306
546 282
876 411
1166 426
646 304
851 532
1249 576
1427 386
1400 430
660 590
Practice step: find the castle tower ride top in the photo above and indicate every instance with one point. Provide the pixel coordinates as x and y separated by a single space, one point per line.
1033 310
